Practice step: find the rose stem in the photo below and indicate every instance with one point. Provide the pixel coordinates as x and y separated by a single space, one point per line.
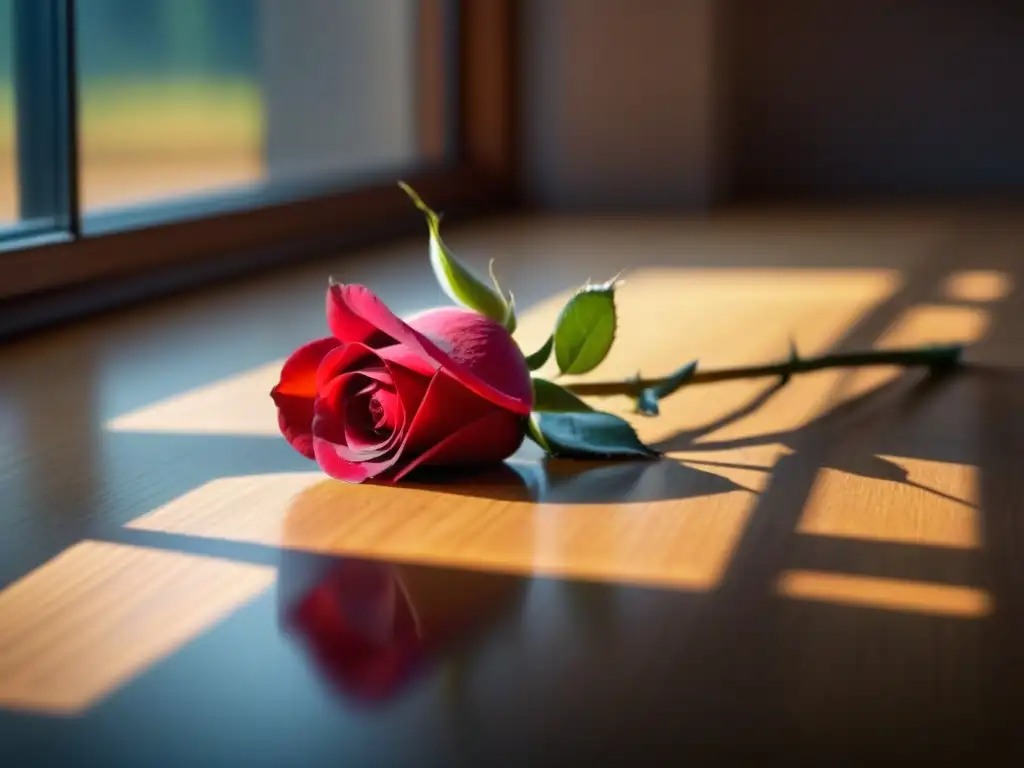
939 357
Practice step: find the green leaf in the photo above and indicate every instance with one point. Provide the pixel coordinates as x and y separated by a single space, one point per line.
510 312
548 396
510 306
456 279
538 358
533 432
591 435
647 400
585 328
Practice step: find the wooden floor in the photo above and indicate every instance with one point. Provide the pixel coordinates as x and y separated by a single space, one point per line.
831 571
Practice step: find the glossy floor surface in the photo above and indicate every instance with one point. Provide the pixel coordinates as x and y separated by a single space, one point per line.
828 571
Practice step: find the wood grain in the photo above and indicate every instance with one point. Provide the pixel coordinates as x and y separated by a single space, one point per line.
631 535
837 556
100 613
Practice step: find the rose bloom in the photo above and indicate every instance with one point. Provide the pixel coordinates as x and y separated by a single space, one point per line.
381 397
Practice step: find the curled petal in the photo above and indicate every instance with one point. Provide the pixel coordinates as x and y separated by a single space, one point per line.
387 410
328 416
329 456
404 369
407 358
349 327
491 438
364 434
295 391
456 426
346 358
295 420
477 346
343 419
446 406
502 386
298 374
410 389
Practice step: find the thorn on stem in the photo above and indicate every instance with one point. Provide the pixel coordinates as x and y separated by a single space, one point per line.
792 364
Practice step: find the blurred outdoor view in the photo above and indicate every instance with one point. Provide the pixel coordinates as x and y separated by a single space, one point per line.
8 182
169 96
178 97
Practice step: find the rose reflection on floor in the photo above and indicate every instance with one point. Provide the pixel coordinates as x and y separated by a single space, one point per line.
372 628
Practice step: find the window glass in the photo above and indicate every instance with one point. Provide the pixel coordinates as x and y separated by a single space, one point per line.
34 118
8 144
183 98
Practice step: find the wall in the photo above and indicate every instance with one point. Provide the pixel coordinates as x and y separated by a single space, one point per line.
619 103
876 97
639 104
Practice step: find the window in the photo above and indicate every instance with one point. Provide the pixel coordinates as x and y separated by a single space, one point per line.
145 133
36 177
8 180
187 97
170 99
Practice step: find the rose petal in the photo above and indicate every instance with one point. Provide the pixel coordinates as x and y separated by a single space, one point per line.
335 393
362 434
409 373
515 395
298 374
446 406
331 449
295 420
478 345
359 453
328 420
411 388
392 412
365 438
489 439
407 358
294 393
349 327
346 358
337 389
333 464
331 419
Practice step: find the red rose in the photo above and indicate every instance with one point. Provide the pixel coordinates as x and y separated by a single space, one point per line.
380 397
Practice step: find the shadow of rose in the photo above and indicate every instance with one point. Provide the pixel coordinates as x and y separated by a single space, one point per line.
563 481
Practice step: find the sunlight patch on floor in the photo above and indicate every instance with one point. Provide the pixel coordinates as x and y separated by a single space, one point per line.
237 405
979 285
914 501
886 594
668 524
86 622
936 324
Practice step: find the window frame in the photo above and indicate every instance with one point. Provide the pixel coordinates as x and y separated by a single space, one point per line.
480 177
